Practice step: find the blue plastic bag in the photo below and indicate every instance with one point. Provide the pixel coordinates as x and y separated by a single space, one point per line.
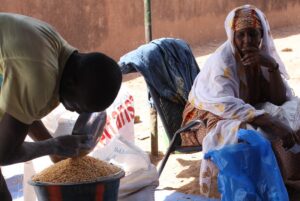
248 171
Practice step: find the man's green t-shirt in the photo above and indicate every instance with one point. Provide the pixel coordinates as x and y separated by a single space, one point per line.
32 58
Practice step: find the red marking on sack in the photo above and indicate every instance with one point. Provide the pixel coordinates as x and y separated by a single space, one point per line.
121 115
131 111
109 127
106 133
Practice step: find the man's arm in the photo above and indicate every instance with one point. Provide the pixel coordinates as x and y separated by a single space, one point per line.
4 192
13 149
38 131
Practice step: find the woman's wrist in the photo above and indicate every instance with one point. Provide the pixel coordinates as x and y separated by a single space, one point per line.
261 120
288 141
274 69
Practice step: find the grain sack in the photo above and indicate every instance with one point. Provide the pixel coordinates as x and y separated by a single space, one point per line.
76 170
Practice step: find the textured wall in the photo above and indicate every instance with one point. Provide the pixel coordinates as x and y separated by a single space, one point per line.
117 26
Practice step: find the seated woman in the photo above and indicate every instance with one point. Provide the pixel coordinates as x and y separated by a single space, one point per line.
242 85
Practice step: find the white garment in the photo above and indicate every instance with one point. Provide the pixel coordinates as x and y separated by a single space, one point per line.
216 89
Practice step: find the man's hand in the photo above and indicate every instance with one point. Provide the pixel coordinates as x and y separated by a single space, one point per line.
73 145
56 158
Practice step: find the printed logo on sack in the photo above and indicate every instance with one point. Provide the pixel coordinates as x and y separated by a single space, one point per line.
118 118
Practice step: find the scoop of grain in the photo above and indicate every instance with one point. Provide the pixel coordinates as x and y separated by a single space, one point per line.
76 170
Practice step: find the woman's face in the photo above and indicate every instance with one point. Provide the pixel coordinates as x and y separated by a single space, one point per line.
245 38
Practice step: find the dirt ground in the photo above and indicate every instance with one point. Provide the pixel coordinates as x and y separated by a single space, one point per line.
182 170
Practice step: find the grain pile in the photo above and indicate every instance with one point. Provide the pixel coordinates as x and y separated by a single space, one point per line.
76 170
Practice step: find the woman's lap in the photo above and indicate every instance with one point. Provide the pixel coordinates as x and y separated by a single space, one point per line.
288 162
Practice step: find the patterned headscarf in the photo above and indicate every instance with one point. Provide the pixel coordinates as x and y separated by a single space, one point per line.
267 44
246 17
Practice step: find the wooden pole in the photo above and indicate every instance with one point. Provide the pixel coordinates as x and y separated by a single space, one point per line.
153 112
147 13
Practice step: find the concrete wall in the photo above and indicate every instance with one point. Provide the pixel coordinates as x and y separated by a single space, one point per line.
117 26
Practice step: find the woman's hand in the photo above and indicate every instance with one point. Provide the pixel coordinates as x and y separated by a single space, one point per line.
253 57
297 137
273 128
284 132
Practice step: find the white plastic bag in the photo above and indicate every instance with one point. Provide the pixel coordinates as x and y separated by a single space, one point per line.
140 174
120 118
